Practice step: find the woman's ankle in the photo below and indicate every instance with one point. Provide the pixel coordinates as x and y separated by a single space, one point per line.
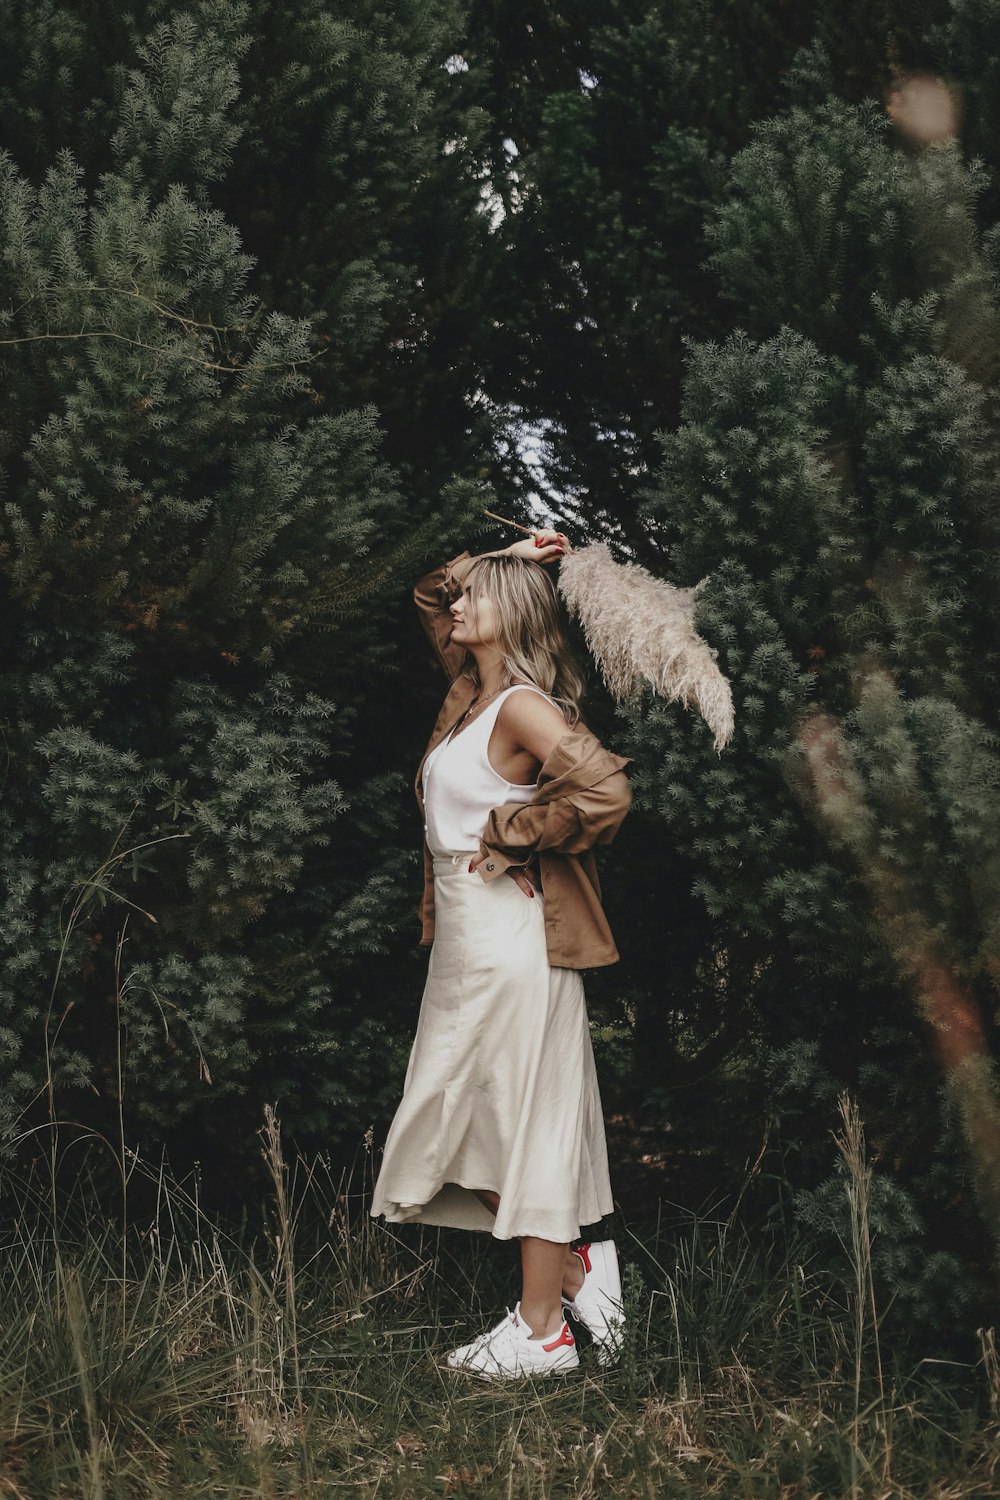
573 1275
544 1322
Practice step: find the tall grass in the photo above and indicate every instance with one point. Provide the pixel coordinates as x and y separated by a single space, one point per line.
167 1355
172 1358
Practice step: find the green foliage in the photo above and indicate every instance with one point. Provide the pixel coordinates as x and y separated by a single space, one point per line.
195 531
610 182
814 224
828 474
914 1285
357 184
281 286
176 104
609 136
967 45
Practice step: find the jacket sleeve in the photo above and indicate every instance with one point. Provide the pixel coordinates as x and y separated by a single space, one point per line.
580 815
432 596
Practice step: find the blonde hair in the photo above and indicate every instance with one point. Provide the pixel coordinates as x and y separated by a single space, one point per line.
529 625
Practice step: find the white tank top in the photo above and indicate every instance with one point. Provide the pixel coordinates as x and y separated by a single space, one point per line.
460 786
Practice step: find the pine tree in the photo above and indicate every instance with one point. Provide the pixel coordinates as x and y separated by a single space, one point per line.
617 125
197 548
356 182
831 473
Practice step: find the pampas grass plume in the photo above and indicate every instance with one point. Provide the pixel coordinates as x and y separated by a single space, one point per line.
640 629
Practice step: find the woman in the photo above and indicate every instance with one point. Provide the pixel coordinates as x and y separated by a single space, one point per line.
500 1126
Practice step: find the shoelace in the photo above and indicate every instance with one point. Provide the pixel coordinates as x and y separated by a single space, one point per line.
482 1339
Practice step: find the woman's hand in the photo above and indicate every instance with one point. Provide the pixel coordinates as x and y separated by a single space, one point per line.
523 881
544 546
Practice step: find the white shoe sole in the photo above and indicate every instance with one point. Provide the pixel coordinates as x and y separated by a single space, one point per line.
563 1367
475 1358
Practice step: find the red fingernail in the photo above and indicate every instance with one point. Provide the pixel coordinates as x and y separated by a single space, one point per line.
539 542
531 894
472 865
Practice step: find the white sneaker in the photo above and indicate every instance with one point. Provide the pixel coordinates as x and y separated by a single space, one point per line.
598 1303
509 1350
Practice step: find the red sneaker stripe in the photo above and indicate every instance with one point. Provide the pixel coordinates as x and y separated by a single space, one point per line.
565 1337
583 1251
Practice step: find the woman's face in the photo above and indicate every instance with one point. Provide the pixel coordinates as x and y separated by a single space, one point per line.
473 627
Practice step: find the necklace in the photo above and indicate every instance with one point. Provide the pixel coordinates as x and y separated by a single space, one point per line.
475 706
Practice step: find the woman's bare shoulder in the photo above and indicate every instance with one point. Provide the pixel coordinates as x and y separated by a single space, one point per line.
533 722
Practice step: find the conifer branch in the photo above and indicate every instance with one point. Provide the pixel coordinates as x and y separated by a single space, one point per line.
166 349
171 313
192 326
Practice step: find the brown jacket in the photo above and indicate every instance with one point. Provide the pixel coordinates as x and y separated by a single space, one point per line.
583 796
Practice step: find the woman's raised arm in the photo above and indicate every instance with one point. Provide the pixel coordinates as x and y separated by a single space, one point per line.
432 596
436 590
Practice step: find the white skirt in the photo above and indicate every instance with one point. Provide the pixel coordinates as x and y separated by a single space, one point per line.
501 1090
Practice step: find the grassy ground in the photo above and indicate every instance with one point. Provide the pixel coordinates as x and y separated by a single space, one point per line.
178 1361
